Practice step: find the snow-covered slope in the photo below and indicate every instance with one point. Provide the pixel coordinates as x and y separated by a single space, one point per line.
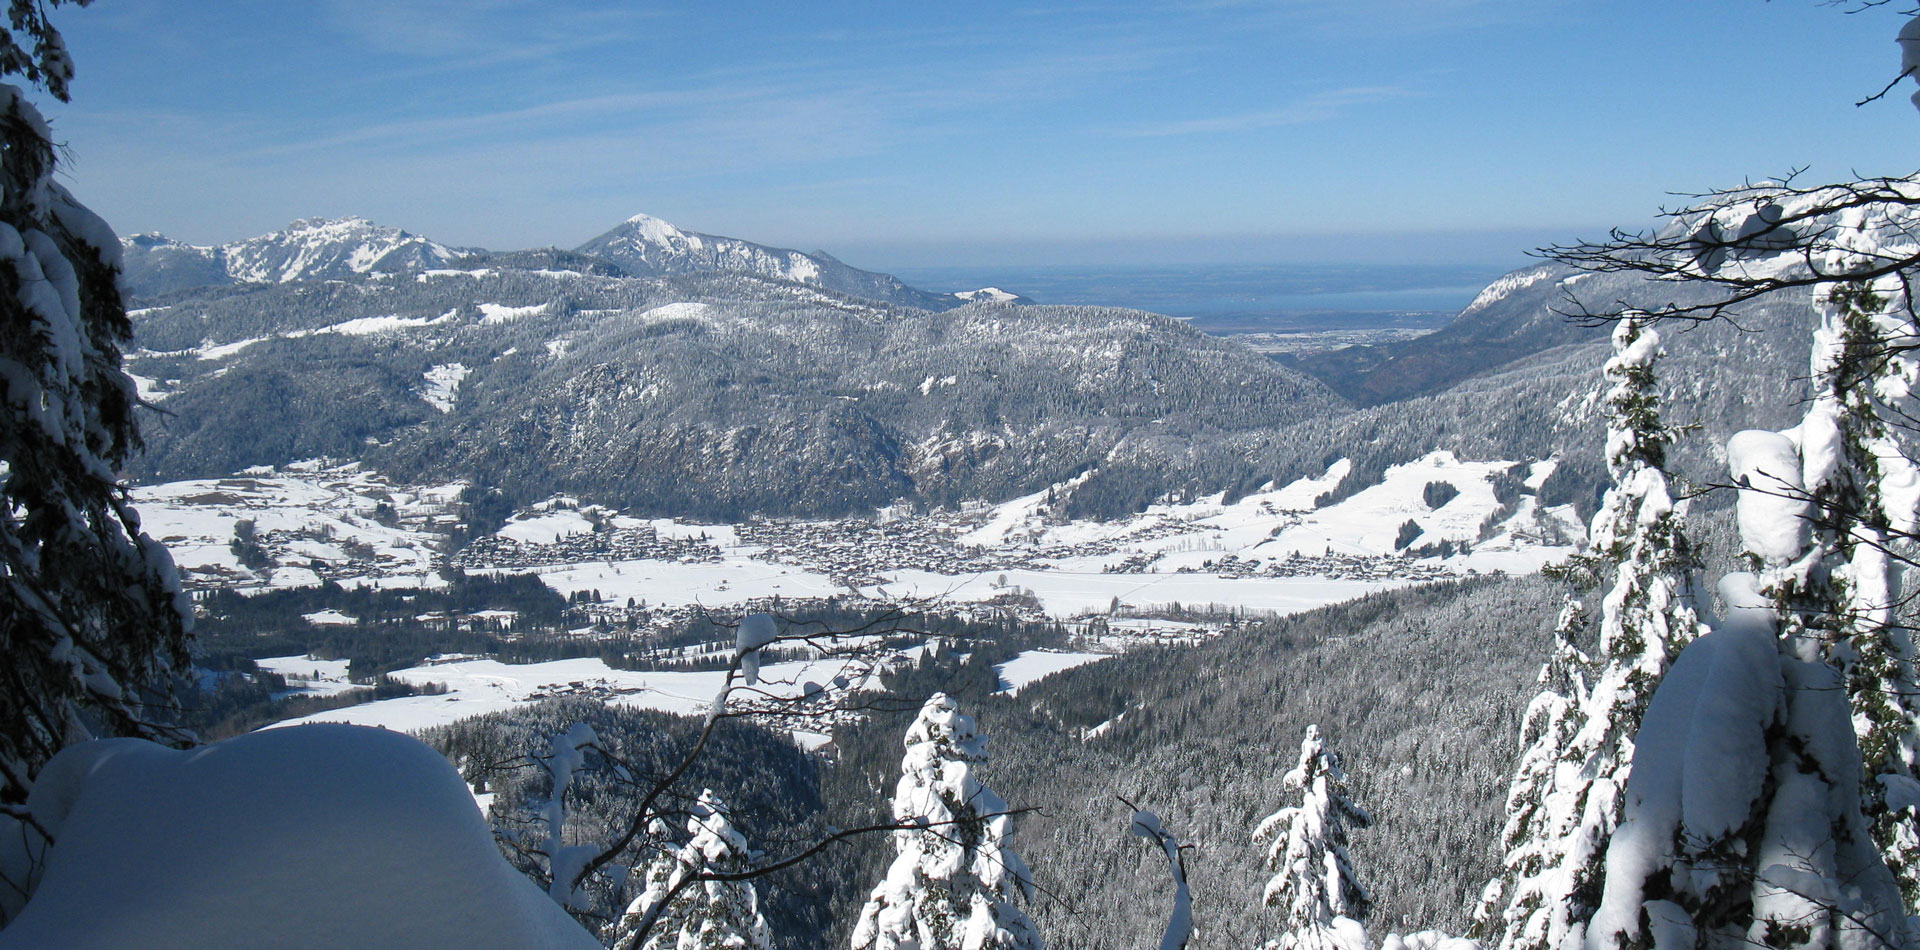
309 249
317 522
478 686
319 248
646 246
157 264
1526 312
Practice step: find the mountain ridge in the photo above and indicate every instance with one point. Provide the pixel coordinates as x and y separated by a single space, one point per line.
307 249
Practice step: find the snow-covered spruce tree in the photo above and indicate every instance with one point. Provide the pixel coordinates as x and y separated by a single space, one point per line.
92 620
1841 593
702 913
1547 729
1314 884
1579 732
953 877
1742 824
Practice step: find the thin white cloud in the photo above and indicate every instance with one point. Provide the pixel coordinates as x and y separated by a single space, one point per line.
1369 17
1318 107
485 31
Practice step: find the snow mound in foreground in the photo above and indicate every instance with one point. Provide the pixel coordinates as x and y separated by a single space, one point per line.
316 836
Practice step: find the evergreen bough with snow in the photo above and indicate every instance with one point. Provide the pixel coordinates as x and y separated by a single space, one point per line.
1578 735
1324 902
92 620
953 878
1179 930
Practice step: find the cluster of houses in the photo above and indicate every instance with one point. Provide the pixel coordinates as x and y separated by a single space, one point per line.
858 552
1369 567
608 544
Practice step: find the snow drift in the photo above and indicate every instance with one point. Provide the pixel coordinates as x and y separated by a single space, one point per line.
316 836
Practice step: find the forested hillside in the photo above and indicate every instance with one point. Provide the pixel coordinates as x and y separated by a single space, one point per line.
1201 735
1422 688
712 395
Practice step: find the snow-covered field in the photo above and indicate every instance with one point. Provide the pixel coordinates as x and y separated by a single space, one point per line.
1078 593
479 686
307 676
476 687
316 521
1035 665
735 579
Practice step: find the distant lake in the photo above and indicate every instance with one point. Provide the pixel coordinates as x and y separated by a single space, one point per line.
1240 290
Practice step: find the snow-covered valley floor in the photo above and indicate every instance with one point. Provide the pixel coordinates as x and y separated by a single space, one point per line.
1165 574
1277 550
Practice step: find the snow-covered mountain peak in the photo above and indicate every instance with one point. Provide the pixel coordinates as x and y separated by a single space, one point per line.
652 230
321 248
990 295
150 239
323 223
646 246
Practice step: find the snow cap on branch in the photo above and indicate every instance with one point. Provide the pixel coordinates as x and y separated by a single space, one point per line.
1773 505
1909 40
756 631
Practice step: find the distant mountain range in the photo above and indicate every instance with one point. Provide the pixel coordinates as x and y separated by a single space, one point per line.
648 247
1515 317
684 373
642 246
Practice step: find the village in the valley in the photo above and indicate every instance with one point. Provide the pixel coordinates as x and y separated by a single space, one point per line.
1177 571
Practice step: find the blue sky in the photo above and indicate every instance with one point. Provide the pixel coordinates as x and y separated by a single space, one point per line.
910 134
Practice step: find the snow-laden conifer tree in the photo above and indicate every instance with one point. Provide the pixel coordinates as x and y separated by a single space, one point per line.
953 878
1841 592
699 914
92 620
1742 823
1579 731
565 759
1547 729
1314 884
